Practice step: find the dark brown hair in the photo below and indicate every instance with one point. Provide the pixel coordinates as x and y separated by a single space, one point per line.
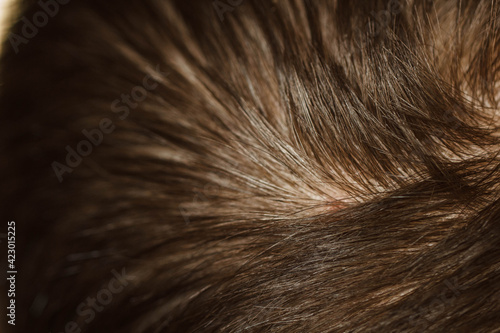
260 166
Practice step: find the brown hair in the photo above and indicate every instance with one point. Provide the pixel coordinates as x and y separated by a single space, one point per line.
261 166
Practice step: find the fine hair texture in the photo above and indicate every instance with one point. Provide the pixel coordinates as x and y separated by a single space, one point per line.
254 166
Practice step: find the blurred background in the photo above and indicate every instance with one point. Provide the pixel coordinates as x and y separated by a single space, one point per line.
5 9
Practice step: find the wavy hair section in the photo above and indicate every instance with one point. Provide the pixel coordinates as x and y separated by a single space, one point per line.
288 166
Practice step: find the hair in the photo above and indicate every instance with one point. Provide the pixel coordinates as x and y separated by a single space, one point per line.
260 166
